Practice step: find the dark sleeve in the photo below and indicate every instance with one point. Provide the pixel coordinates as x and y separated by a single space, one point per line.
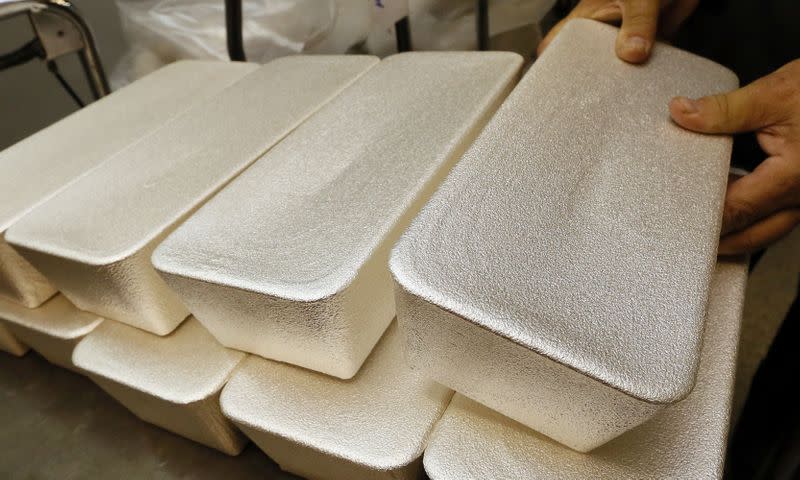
752 38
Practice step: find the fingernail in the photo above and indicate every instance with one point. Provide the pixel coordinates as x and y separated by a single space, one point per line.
688 105
636 44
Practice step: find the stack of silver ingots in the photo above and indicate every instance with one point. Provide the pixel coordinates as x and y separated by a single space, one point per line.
373 267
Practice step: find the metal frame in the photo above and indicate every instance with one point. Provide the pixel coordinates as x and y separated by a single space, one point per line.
62 30
482 24
233 30
402 32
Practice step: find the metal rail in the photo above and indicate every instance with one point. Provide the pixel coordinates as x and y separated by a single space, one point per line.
482 24
62 30
233 30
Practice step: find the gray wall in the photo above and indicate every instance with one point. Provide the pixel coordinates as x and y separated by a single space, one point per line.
30 96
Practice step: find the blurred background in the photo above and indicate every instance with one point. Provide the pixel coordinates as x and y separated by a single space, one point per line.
135 37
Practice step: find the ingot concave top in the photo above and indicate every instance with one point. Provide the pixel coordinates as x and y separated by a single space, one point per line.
93 240
36 168
577 237
289 261
684 440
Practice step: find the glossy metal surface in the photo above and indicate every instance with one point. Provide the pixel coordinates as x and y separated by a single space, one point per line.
94 239
52 330
373 426
58 33
35 169
560 275
11 344
173 381
289 261
684 440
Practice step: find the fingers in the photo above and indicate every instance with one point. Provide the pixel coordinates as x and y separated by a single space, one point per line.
761 234
639 25
771 187
600 10
757 105
550 36
638 31
764 205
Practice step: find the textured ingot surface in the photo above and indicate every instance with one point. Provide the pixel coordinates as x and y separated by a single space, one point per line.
11 344
684 440
173 381
289 261
19 281
52 329
578 231
94 239
373 426
34 169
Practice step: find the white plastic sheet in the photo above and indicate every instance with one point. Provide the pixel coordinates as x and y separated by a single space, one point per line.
162 31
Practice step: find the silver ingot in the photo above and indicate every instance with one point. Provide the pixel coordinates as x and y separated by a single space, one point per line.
19 281
11 344
373 426
560 274
173 381
52 329
684 440
36 168
94 239
289 261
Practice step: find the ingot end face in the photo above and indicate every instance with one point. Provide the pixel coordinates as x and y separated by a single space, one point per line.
52 330
173 381
200 421
19 281
569 407
309 463
10 344
333 335
685 440
185 366
129 291
378 421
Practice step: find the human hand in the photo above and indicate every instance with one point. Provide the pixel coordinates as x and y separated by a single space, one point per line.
763 206
641 20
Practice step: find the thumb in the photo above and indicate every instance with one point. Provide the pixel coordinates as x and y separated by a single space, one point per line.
638 31
750 108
